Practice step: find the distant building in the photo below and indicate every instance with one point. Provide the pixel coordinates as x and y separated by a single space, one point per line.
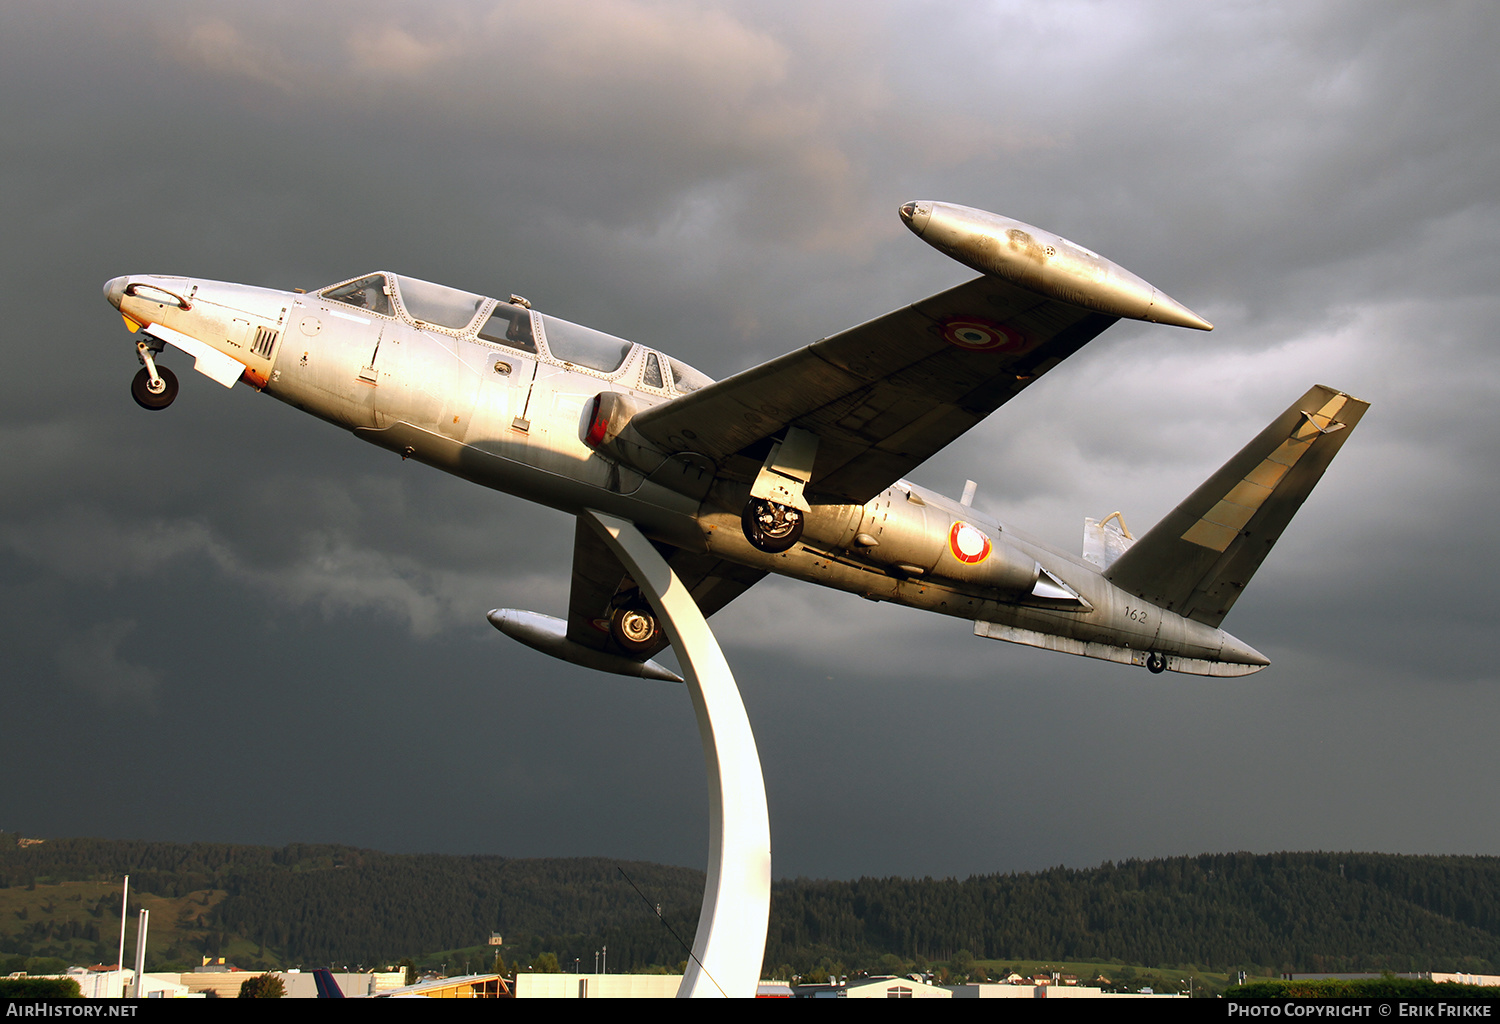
360 985
110 984
894 988
469 986
597 986
1048 990
223 982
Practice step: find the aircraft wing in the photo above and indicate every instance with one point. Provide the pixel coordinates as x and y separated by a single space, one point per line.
882 397
598 577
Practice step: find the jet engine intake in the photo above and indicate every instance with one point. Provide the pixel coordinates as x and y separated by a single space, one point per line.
608 415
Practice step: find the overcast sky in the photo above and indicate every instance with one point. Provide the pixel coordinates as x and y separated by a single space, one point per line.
231 622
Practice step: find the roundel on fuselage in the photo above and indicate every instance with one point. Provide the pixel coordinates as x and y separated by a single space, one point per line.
968 544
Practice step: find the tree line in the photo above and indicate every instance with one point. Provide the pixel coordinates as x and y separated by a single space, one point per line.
326 904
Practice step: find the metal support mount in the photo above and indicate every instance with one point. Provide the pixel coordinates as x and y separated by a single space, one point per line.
731 939
787 470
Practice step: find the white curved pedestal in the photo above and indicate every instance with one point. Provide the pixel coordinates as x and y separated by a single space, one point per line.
731 939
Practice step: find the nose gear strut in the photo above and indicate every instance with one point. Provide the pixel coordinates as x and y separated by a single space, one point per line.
154 387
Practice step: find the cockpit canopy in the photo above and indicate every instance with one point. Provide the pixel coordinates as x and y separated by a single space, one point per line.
424 303
437 304
513 324
372 293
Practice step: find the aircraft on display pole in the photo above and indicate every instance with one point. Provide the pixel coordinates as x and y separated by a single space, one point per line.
795 467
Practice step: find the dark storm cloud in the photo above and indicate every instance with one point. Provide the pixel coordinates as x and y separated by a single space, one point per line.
230 597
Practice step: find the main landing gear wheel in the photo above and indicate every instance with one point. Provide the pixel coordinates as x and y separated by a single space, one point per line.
157 394
1156 662
634 628
771 527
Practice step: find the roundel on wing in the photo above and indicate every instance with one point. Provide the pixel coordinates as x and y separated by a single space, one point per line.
968 544
978 335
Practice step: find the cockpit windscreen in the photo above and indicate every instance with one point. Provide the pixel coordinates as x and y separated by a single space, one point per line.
438 304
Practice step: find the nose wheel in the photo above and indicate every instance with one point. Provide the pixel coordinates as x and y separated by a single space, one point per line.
634 628
156 393
154 386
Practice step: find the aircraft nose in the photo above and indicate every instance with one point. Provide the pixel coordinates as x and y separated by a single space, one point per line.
114 290
916 214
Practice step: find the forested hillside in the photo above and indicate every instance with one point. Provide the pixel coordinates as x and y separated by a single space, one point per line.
309 904
1289 911
314 904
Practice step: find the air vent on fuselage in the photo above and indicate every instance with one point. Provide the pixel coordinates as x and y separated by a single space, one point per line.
265 341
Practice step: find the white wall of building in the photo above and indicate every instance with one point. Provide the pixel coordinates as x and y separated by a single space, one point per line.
597 986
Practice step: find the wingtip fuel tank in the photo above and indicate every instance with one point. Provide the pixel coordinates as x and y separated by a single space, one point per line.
1046 263
550 636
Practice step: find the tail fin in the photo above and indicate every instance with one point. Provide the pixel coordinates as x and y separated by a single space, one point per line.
1197 560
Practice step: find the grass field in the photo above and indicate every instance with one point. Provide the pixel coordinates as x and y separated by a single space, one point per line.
80 922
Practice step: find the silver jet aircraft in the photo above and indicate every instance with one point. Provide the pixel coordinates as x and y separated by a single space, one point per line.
796 466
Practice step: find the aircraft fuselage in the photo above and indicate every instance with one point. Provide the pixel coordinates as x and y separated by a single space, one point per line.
504 396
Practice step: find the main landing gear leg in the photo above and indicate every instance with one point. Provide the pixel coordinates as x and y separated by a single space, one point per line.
731 940
634 628
771 527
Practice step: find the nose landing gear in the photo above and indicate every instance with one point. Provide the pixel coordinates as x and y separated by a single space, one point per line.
1156 663
154 387
154 394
